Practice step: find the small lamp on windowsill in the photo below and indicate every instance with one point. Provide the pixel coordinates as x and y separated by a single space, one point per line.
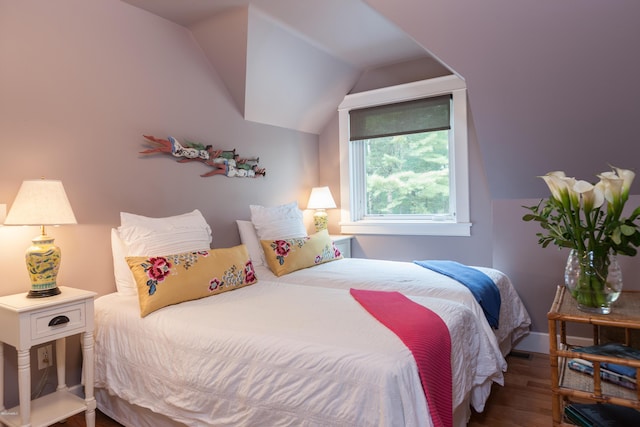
320 199
42 202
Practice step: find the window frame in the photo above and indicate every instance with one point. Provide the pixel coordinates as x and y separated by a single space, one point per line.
352 220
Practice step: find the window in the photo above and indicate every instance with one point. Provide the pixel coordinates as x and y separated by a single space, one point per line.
403 160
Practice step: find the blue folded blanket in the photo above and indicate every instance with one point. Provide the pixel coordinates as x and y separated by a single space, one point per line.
481 286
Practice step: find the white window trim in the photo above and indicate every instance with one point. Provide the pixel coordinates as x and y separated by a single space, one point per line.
461 226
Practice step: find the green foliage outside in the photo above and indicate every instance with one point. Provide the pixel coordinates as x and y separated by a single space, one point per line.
408 174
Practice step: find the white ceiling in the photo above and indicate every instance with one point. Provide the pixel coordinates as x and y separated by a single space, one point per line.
350 30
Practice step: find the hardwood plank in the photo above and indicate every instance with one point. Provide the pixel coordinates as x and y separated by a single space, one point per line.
525 398
78 421
523 401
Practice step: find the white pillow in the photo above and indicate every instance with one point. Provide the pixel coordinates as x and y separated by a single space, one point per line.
138 232
125 283
145 236
278 222
249 238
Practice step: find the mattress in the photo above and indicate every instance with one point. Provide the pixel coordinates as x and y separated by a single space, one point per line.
281 354
412 279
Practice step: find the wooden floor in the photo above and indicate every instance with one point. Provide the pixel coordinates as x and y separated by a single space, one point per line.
525 399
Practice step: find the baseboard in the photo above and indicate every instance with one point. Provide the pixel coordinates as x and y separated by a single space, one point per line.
538 342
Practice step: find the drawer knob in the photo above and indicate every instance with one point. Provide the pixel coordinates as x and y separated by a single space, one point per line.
58 320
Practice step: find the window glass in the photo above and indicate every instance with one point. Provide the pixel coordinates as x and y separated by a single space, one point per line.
407 174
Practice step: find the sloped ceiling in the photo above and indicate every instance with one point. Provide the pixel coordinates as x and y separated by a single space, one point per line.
288 82
289 63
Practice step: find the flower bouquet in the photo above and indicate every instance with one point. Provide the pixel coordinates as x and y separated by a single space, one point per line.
587 218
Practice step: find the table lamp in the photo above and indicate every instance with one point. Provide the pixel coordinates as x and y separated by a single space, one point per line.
41 202
320 199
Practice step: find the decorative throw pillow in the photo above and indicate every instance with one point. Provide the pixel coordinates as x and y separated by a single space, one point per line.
145 236
278 222
172 279
286 255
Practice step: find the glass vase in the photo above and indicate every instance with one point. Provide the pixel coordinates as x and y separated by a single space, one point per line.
594 280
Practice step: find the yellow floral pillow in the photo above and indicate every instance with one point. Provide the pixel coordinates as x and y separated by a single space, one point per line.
287 255
172 279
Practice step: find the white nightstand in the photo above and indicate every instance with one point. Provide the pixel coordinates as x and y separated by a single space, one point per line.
27 322
343 243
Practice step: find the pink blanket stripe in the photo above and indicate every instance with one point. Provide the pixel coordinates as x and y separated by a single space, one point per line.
427 336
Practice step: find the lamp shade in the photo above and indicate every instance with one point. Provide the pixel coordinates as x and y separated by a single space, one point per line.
41 202
321 198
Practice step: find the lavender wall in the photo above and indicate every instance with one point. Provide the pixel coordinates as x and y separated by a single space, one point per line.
80 83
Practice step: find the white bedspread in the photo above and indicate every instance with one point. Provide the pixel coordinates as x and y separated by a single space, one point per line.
278 354
412 279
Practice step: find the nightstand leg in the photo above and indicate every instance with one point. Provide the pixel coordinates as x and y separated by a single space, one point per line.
1 377
61 358
87 355
24 386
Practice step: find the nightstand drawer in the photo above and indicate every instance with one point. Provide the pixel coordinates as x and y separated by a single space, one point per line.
51 323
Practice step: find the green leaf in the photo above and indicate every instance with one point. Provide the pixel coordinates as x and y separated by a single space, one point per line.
615 236
627 230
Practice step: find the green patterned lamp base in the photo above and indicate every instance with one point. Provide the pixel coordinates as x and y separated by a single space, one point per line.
320 220
43 263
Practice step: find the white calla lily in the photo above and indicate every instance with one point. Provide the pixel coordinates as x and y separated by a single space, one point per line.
592 197
628 177
555 183
612 184
587 217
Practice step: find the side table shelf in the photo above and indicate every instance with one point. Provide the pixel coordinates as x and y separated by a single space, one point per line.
568 385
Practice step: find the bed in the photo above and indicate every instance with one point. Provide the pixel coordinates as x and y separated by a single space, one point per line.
406 277
281 351
276 354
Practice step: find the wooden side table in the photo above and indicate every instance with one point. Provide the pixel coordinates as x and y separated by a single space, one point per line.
28 322
567 385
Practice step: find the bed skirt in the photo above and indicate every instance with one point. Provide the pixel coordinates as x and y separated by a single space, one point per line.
130 415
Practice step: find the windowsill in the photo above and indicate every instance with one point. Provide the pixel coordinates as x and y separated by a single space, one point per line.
407 228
